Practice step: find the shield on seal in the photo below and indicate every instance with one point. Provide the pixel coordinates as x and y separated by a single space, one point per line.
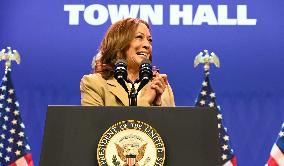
130 160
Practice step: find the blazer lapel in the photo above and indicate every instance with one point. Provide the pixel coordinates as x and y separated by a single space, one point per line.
116 89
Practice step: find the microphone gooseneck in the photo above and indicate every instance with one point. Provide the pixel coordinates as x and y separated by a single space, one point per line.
120 73
145 73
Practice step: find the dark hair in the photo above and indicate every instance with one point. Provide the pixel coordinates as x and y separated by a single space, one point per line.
116 42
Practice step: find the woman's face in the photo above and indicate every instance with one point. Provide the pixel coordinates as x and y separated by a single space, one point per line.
140 47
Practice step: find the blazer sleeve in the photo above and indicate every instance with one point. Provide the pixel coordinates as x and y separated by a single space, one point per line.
91 91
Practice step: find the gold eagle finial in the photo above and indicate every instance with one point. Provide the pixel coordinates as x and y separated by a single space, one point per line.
207 59
10 55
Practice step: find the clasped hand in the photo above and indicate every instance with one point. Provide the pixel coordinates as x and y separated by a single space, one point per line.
153 91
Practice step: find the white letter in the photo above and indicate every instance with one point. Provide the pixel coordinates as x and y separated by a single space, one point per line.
185 14
223 16
74 13
123 12
242 16
102 14
205 13
156 15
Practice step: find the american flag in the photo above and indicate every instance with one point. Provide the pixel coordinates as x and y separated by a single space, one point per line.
207 98
14 148
277 152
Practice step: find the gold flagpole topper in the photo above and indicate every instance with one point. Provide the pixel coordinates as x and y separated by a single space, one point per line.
10 55
207 59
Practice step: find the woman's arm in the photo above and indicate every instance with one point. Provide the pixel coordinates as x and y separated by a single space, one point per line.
90 91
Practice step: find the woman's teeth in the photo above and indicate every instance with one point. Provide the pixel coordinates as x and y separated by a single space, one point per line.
142 54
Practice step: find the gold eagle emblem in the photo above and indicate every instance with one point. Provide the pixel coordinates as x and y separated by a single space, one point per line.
207 59
139 154
10 56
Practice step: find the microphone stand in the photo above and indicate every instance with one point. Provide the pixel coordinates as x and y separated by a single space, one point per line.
143 79
145 74
132 96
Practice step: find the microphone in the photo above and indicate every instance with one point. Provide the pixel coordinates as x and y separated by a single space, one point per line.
145 73
120 73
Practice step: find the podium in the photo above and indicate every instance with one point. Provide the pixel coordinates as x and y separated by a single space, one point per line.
72 133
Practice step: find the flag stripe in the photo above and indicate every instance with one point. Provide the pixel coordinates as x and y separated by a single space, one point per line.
24 161
277 155
21 162
29 159
228 163
271 162
232 162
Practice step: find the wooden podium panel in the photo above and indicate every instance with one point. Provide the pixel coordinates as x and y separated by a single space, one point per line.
72 133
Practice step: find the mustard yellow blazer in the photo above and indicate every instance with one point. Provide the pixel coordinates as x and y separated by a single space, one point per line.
97 91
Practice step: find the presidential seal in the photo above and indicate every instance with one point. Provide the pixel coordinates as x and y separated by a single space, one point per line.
131 143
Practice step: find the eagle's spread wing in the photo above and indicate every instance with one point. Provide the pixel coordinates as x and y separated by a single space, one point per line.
120 152
198 59
16 56
2 55
10 56
214 59
141 152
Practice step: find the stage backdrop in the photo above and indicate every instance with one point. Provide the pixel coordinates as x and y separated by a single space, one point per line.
57 40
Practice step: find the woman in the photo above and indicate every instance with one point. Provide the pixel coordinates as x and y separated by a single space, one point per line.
129 39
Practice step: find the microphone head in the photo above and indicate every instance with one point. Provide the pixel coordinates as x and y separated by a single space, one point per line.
120 69
145 70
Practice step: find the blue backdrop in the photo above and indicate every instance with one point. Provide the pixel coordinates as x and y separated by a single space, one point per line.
248 86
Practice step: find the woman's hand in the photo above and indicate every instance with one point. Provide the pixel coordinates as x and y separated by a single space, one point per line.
159 83
153 91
